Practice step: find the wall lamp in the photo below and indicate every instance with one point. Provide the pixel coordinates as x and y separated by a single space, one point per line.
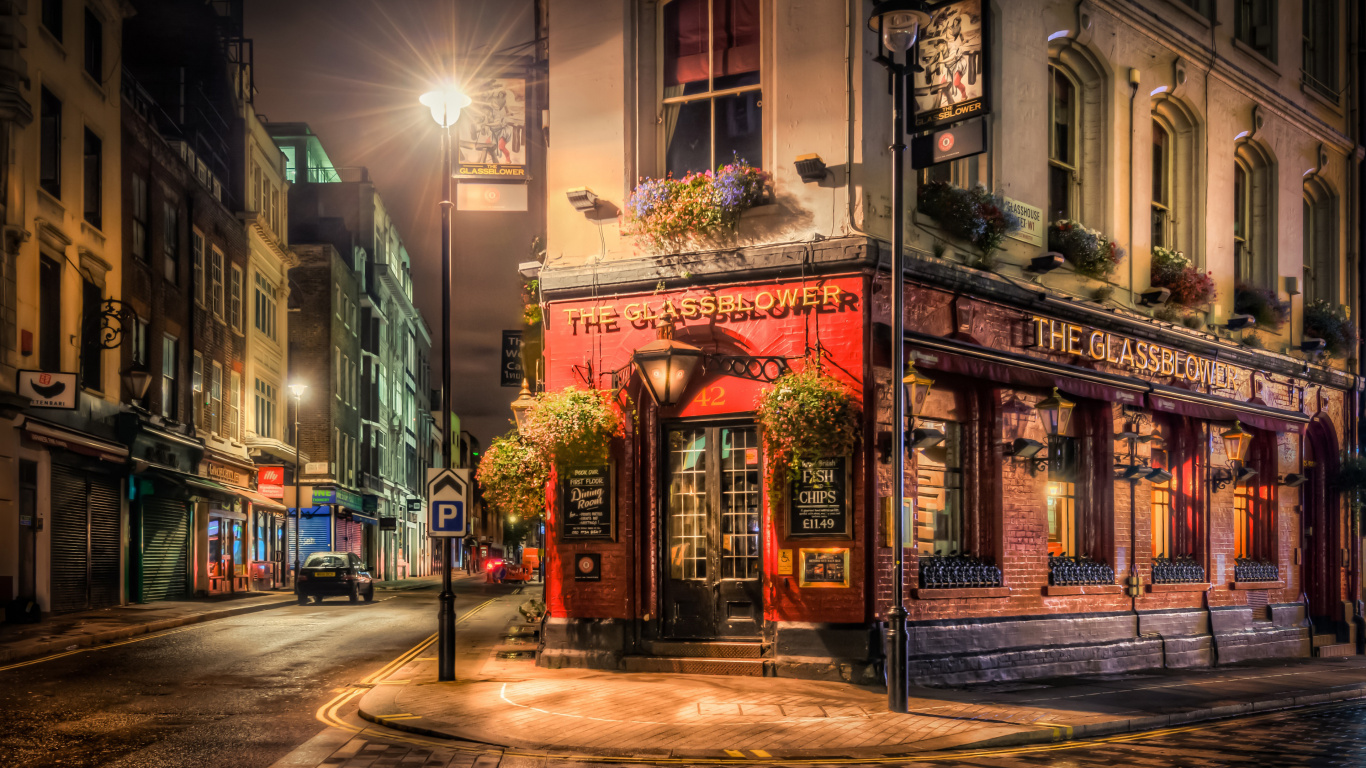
1312 345
1032 451
811 168
1239 322
1159 476
1154 297
1046 263
924 437
1294 480
583 199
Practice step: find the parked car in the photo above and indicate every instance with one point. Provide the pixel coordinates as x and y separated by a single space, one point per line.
334 573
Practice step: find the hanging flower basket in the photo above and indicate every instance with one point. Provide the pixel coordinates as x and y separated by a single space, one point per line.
1089 251
574 426
973 215
1327 321
1189 286
1263 304
805 415
512 476
670 213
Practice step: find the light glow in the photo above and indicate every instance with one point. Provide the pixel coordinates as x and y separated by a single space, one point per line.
1158 89
1058 34
445 104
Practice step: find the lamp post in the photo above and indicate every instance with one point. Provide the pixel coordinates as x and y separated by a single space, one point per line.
445 105
522 406
898 23
298 391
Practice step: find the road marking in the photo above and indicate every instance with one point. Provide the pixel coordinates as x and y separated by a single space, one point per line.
105 646
760 753
735 753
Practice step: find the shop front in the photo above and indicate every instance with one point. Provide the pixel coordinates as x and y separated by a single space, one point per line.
1087 490
337 522
228 534
163 495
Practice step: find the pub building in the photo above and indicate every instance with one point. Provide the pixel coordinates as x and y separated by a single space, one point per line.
1099 478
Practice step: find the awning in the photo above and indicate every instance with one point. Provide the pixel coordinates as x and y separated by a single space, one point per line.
1010 368
368 520
74 440
257 500
194 482
1202 406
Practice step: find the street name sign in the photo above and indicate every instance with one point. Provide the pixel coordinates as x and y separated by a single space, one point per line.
447 502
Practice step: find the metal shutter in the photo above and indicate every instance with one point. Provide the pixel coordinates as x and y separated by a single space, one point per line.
165 549
105 540
315 530
70 535
350 538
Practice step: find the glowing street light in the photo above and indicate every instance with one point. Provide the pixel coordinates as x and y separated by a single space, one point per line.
445 104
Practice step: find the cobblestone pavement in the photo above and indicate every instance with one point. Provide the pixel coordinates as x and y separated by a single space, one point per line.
1322 737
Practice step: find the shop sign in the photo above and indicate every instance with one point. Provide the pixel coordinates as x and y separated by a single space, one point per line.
1137 356
819 499
777 302
317 468
270 481
369 503
588 566
225 473
952 82
388 523
339 496
1031 223
512 373
414 505
824 568
965 139
49 390
493 140
587 497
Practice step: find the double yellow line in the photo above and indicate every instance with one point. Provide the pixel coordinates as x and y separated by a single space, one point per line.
329 713
102 646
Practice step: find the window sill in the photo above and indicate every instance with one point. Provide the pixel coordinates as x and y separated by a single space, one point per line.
93 231
1321 97
1053 590
1256 585
51 38
48 199
1257 57
1188 11
95 84
958 594
1185 587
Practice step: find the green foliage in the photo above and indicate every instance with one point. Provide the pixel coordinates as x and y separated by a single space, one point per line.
804 415
1189 286
668 213
1089 251
973 215
512 476
1330 322
1263 304
574 426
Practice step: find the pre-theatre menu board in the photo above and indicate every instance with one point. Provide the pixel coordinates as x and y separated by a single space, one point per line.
587 500
825 568
818 505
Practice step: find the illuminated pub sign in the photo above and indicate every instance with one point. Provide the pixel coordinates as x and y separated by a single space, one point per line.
1138 356
775 302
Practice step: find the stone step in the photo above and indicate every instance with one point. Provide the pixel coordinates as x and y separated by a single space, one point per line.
698 649
695 666
1336 650
1325 638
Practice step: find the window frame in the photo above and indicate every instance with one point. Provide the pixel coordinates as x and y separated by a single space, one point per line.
1163 197
216 283
1315 15
92 348
1244 28
197 245
235 299
138 232
1070 167
170 241
1320 256
50 110
266 306
92 46
170 369
215 398
52 17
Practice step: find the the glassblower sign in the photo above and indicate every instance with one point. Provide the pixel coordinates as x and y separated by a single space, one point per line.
493 136
587 503
1140 356
818 500
952 84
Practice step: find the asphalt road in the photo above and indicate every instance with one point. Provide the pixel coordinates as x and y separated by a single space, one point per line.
238 692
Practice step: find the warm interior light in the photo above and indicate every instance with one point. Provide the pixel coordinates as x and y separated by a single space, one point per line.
1057 413
1236 442
666 366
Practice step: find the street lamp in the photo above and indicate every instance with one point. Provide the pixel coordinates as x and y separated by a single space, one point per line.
297 389
521 407
898 23
1057 413
666 365
445 104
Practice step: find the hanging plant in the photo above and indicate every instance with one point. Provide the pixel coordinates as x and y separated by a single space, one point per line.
1189 286
1263 304
512 476
1328 321
574 426
531 302
805 415
1089 251
668 213
973 215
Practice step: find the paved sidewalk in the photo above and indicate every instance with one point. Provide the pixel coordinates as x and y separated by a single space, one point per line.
512 703
78 630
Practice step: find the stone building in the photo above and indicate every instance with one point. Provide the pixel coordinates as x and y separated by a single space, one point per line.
1185 513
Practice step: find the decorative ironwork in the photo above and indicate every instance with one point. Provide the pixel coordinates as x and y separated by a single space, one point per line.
1247 569
106 328
1220 478
956 571
1078 571
1181 569
766 369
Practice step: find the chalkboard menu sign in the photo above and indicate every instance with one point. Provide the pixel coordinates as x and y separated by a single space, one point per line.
824 567
818 500
588 502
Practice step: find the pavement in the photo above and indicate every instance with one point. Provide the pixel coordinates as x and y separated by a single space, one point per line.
509 702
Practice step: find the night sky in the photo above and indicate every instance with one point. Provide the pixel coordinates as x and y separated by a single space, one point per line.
353 70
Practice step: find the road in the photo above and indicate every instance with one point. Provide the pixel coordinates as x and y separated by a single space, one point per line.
278 688
239 692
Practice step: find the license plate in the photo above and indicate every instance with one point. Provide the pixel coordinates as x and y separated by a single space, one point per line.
327 574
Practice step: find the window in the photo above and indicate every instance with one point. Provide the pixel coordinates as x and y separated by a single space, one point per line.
235 298
50 144
1162 211
1177 504
94 192
288 152
1161 507
197 243
939 486
266 309
139 342
1063 117
1254 502
138 192
170 353
216 281
1320 243
1253 212
337 299
216 399
50 315
1062 497
1202 7
233 407
711 100
265 409
52 17
94 46
337 372
1319 65
170 240
92 348
1255 26
1244 532
200 407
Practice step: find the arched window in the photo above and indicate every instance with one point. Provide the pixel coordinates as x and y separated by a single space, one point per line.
1162 185
1321 278
1063 117
1078 102
1254 205
1176 175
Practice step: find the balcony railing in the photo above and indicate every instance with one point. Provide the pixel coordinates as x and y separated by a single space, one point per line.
1078 571
1177 570
1247 569
957 572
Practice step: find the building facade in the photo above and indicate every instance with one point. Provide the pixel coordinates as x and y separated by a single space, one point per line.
1183 512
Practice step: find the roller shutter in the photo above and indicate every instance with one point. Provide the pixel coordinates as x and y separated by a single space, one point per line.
315 531
85 554
165 548
350 538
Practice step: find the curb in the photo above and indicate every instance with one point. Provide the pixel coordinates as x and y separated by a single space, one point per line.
85 641
1044 735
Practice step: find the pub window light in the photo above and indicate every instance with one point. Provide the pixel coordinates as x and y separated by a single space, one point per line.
811 168
582 198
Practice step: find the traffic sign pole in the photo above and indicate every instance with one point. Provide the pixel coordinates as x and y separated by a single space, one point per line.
447 502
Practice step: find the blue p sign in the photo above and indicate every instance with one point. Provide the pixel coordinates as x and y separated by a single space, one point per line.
447 518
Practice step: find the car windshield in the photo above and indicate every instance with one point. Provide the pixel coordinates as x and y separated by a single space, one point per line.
326 560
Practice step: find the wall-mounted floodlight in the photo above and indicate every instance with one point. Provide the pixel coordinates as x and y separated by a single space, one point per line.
811 168
582 198
1312 345
1294 480
1239 322
1045 263
1155 297
924 437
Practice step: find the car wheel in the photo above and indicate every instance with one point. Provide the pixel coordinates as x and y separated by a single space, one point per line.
303 599
370 594
318 599
355 594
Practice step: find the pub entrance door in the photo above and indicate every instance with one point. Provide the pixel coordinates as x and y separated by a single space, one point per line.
712 492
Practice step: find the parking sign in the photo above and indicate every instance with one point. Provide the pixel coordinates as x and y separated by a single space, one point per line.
447 500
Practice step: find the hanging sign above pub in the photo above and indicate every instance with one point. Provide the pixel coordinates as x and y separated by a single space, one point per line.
819 500
953 53
587 502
